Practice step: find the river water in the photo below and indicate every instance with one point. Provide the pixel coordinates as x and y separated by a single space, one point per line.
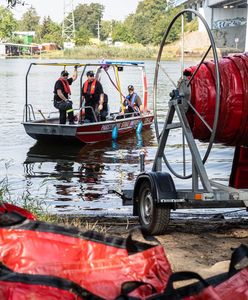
76 180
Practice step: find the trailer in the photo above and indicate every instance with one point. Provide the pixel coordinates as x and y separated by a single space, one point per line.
154 194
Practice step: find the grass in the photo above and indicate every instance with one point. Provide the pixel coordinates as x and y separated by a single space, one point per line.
39 208
127 52
136 52
131 52
35 205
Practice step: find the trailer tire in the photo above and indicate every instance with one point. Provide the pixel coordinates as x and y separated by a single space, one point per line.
153 217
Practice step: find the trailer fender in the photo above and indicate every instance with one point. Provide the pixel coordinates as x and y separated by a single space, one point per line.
162 187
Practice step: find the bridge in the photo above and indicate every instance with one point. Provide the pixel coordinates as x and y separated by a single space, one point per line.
226 18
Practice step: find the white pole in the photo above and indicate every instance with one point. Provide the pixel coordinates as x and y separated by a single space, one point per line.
246 35
98 29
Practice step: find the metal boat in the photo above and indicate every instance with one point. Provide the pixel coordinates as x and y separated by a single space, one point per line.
45 126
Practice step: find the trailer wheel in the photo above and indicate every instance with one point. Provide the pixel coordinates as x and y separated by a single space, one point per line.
153 218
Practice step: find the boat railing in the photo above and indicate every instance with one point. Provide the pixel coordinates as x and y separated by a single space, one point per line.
118 115
52 113
92 110
112 116
28 113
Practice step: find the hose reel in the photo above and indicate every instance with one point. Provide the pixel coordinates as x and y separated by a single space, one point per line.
213 93
183 88
207 104
232 127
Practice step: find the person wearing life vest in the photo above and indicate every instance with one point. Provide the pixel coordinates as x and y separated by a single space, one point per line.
93 96
132 101
62 93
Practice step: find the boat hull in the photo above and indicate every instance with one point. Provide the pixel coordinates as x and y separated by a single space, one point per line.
50 131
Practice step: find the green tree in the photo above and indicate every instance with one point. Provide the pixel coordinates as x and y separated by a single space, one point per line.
140 29
88 16
49 27
106 30
151 8
49 31
83 37
30 20
149 22
162 23
148 15
8 24
120 32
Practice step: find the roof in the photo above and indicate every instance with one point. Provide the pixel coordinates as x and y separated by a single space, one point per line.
29 33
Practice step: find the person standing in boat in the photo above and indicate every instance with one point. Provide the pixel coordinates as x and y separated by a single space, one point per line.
132 102
92 94
62 93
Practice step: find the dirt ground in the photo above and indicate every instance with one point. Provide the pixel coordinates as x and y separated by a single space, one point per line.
203 246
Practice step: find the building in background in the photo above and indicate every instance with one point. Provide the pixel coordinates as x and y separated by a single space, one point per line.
26 36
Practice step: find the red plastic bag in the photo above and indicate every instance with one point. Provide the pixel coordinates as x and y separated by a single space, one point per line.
235 287
7 208
207 292
17 286
97 263
231 285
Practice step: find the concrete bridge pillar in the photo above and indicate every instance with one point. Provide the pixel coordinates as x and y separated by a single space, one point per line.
246 34
227 18
206 12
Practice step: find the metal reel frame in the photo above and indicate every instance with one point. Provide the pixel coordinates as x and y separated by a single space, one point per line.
217 80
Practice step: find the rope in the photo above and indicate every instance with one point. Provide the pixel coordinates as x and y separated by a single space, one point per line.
119 86
114 84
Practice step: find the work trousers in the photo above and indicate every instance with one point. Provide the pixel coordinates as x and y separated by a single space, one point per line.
64 107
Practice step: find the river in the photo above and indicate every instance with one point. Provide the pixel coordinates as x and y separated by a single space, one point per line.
76 180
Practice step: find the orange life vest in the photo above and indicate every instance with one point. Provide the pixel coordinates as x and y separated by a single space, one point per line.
66 86
92 88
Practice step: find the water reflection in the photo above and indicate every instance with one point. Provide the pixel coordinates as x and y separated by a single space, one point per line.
44 152
66 168
76 176
139 140
91 174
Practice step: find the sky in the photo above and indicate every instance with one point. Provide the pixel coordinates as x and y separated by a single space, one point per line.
114 9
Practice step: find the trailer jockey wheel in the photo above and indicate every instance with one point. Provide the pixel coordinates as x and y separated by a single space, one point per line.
165 84
153 218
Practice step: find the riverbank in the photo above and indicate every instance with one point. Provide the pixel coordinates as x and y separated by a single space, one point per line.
171 52
195 45
129 52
